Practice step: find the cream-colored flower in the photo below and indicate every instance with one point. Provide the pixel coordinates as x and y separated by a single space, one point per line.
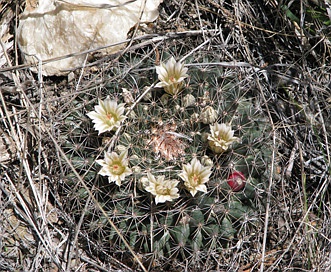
115 167
107 116
195 175
171 76
162 190
221 137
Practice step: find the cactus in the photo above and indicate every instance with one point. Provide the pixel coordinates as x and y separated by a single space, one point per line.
161 133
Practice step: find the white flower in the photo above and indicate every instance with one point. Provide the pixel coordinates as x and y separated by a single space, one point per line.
171 76
195 175
115 167
163 190
107 115
221 137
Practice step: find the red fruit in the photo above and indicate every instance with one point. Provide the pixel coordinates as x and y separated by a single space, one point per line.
237 181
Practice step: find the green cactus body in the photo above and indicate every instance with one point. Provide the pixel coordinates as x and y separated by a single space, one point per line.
161 134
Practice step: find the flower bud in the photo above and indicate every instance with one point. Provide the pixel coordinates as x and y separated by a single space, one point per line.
236 181
127 96
164 99
148 95
205 160
208 115
188 100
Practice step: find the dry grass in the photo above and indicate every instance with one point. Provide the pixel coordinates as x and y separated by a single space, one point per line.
54 213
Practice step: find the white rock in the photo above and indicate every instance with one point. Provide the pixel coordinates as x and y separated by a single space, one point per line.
57 28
